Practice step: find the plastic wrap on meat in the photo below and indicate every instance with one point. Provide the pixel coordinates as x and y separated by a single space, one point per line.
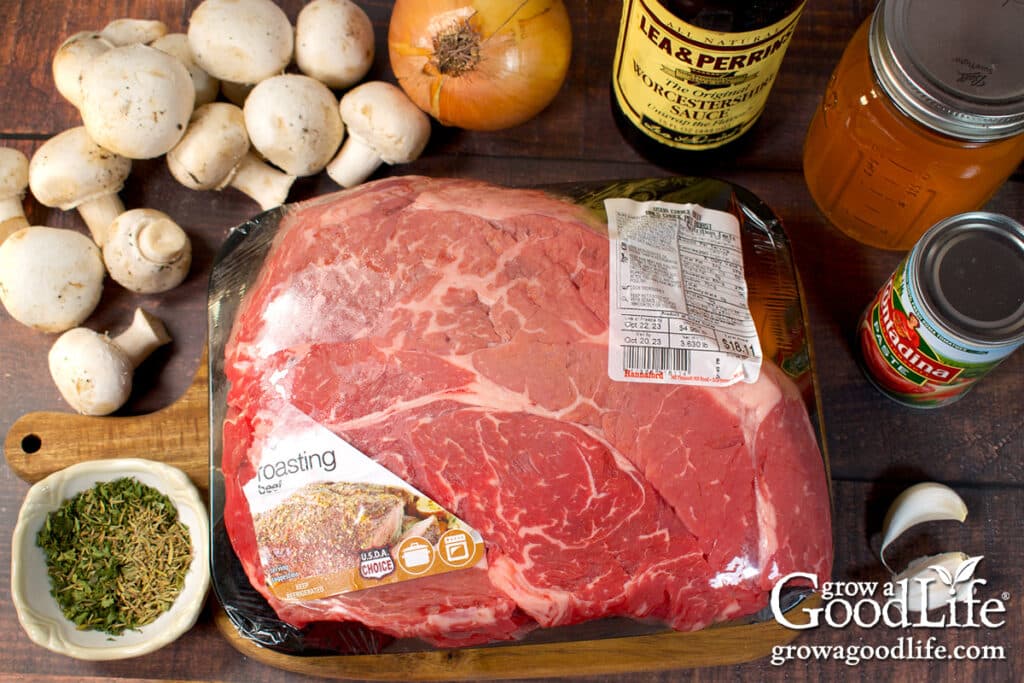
456 333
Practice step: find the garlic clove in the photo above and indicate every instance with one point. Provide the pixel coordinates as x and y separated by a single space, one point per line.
937 580
925 502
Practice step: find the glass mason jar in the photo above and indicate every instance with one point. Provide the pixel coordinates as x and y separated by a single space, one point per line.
922 118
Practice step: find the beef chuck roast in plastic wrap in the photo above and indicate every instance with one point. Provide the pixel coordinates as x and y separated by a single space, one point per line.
456 332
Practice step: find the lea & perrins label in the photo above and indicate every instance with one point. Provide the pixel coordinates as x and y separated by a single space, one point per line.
951 312
691 88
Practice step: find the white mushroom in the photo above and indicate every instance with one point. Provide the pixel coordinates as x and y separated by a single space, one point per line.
146 251
384 126
13 182
71 57
132 31
50 278
243 41
214 153
176 45
70 171
293 121
334 42
136 100
94 372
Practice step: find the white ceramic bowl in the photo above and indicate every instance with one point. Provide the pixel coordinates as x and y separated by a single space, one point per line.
39 613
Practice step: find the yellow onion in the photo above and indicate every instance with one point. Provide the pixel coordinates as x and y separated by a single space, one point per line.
480 64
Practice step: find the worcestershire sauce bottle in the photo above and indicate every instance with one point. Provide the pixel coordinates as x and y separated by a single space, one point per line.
694 75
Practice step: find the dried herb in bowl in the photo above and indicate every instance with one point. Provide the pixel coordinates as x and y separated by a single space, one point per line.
116 554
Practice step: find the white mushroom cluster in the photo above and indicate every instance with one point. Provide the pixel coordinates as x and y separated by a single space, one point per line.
282 118
239 98
144 92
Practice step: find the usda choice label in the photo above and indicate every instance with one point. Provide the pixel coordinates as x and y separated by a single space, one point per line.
912 357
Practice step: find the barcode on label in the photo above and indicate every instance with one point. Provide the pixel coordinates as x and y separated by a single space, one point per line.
653 358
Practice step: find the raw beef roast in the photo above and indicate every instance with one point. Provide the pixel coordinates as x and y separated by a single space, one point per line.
456 332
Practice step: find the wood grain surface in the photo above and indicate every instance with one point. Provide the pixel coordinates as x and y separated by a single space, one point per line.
876 446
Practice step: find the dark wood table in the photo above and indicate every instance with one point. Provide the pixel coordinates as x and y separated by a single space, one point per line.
876 446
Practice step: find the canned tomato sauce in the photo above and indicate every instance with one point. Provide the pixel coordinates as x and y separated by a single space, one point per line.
952 311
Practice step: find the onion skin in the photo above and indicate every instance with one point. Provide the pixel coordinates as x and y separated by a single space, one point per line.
480 64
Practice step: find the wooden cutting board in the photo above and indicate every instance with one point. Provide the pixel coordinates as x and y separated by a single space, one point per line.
41 443
716 646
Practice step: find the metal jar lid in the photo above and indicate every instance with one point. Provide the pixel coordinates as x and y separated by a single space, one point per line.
969 272
956 66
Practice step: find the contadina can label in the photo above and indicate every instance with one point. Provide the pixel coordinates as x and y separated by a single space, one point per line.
690 88
952 311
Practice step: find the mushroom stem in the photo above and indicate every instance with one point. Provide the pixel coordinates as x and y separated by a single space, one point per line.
354 163
13 183
162 241
146 334
10 209
261 182
99 213
12 218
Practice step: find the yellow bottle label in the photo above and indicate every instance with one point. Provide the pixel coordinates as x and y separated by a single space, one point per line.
690 88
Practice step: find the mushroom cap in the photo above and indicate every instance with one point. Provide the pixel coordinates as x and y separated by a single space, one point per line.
244 41
13 173
92 373
129 31
136 100
146 251
213 146
71 57
70 168
176 45
51 279
383 117
293 121
334 42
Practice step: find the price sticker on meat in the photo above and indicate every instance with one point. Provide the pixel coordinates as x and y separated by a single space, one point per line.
678 309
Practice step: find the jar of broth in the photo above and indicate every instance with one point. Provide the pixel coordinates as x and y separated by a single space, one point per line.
923 118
